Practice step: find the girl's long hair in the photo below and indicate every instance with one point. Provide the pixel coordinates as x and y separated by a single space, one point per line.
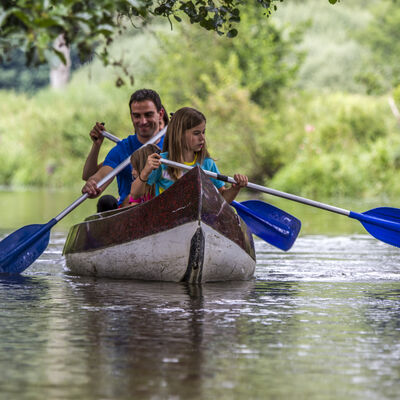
182 120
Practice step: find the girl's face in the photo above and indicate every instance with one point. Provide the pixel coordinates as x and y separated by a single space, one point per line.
195 137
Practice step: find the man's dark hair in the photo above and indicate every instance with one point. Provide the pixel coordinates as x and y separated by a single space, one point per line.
146 94
165 116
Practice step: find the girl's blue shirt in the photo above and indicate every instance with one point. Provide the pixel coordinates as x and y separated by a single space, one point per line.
162 181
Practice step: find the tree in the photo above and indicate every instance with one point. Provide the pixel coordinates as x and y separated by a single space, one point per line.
381 36
239 84
34 25
14 74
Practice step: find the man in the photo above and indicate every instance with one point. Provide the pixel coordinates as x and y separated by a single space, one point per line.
146 115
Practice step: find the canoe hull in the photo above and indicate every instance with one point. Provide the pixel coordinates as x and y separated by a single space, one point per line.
202 240
195 254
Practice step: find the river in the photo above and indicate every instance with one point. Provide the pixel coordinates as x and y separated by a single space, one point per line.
321 321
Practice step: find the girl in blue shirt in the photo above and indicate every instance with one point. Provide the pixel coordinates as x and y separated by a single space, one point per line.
184 143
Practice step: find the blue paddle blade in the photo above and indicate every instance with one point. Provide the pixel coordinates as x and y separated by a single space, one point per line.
383 223
269 223
21 248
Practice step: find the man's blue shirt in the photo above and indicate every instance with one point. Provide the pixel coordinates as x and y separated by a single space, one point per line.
120 153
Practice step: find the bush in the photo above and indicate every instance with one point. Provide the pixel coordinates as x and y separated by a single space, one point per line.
349 147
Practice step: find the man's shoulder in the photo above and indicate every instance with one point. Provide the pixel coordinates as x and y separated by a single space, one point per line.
121 150
127 143
131 141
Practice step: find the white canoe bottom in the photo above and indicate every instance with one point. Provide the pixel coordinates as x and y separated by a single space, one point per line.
193 252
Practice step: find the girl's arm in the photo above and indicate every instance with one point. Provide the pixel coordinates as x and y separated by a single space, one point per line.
138 187
125 203
230 194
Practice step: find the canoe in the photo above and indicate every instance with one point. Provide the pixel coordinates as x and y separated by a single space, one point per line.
187 234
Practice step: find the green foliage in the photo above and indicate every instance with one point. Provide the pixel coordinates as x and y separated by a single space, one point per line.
233 83
348 146
33 25
312 143
313 146
15 75
396 95
45 139
381 36
334 57
193 64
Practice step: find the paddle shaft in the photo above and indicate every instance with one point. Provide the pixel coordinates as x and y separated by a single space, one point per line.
395 226
109 176
361 217
249 185
263 189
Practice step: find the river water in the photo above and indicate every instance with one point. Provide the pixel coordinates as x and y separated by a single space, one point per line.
321 321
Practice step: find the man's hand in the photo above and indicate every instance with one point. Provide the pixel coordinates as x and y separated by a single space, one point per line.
91 188
96 134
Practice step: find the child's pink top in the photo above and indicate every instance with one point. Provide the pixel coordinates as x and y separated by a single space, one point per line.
140 199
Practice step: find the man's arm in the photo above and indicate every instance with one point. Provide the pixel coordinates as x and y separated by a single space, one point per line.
91 165
90 186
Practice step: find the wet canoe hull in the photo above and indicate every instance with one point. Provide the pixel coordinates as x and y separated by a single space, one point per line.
189 233
190 253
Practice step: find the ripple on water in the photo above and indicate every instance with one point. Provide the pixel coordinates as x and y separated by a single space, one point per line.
319 321
324 258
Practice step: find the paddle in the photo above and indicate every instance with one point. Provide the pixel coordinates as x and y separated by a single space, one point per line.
21 248
269 223
383 222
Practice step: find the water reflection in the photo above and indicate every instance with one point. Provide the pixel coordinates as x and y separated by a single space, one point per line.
156 336
321 321
142 330
381 313
21 331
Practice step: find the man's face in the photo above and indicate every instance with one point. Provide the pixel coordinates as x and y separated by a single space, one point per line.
145 119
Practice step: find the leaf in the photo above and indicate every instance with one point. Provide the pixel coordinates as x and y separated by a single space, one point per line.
47 22
23 18
84 15
5 14
135 3
105 29
61 56
232 33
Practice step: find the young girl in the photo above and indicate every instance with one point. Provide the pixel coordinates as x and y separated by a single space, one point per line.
184 143
138 161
